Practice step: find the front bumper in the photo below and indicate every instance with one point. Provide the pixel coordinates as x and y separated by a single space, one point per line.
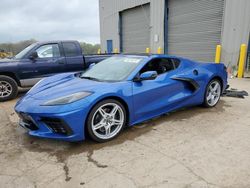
55 122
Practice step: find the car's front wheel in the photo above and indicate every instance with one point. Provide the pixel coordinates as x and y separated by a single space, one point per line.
213 93
106 120
8 88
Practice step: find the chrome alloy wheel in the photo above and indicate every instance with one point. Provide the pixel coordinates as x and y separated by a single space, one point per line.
5 89
213 93
107 121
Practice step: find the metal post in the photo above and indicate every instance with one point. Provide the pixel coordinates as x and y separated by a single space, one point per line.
116 51
159 50
243 50
218 54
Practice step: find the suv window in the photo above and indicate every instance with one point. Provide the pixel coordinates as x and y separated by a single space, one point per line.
70 49
48 50
160 65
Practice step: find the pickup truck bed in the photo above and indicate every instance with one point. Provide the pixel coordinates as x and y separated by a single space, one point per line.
89 59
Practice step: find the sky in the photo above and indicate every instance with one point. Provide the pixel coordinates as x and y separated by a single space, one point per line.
49 20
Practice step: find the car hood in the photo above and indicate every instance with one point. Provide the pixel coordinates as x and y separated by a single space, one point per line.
63 85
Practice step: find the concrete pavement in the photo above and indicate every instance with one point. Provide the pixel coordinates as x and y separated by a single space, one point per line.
191 148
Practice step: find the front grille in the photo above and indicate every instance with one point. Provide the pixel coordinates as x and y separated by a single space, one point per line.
27 122
57 125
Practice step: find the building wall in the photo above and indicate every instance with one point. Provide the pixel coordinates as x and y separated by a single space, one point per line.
109 21
194 28
236 29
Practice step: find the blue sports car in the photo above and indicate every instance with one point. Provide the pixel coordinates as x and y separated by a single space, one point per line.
120 91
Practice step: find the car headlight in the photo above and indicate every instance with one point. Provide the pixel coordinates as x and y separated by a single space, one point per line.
67 99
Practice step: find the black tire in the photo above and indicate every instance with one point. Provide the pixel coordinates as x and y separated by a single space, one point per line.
13 87
206 102
89 129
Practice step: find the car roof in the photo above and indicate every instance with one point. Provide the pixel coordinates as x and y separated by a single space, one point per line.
148 55
55 41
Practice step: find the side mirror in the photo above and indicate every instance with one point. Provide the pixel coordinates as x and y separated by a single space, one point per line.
33 56
149 75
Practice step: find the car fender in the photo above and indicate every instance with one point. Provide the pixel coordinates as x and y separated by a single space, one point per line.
125 100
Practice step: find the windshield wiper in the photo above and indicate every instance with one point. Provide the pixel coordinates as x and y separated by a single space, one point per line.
89 78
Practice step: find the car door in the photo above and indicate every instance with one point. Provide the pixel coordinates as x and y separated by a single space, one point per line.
74 57
26 72
154 97
50 60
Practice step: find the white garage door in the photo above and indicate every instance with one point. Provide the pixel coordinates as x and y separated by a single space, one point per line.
194 28
135 29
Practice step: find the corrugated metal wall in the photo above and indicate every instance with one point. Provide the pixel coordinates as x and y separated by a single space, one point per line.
235 24
194 28
236 30
109 21
135 29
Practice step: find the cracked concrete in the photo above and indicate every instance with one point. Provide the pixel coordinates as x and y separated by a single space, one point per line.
190 148
95 162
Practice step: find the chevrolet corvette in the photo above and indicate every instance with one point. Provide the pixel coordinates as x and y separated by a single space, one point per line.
120 91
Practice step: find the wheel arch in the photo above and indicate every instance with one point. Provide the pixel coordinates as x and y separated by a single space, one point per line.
119 99
11 75
220 80
215 77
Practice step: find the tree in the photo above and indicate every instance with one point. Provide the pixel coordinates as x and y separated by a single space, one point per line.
89 48
15 48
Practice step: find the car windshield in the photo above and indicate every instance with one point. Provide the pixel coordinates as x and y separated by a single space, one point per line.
21 54
112 69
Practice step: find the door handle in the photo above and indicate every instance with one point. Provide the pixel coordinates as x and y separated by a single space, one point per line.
52 61
60 62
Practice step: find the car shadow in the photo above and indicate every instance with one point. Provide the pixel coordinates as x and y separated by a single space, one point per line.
62 150
22 91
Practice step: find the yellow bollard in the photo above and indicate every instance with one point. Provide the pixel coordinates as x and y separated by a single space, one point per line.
159 50
243 50
147 50
116 51
99 51
218 54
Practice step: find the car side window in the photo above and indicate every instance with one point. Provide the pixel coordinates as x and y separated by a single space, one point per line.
70 49
48 50
176 63
160 65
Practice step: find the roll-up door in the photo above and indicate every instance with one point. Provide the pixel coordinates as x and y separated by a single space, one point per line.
135 29
194 28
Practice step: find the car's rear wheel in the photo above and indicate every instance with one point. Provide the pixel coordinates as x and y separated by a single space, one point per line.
106 120
8 88
213 93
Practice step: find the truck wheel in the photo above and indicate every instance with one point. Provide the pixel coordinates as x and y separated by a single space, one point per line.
8 88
